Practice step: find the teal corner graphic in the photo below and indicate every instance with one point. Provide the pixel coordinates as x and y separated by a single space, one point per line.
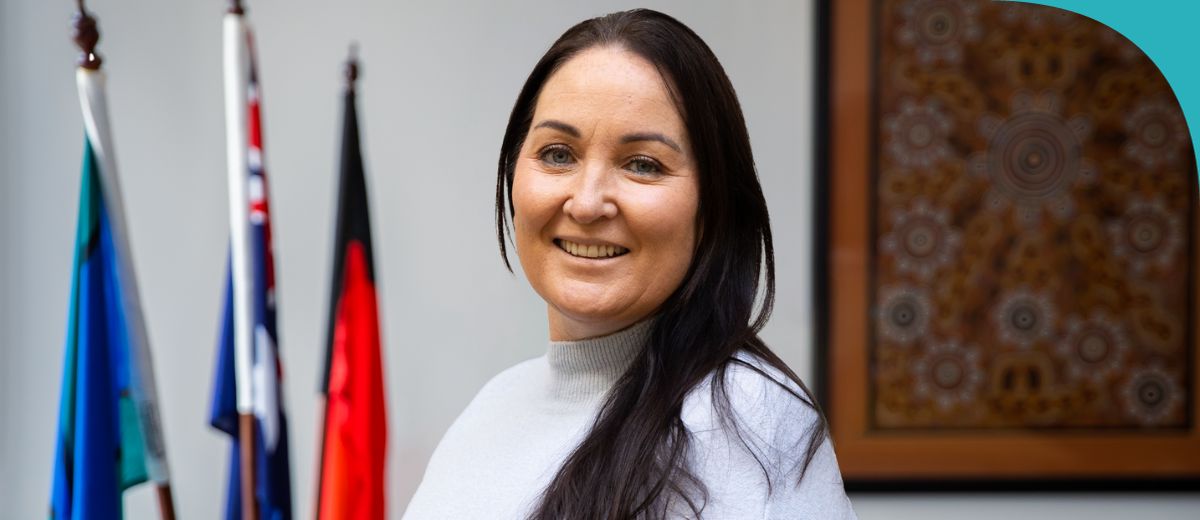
1166 30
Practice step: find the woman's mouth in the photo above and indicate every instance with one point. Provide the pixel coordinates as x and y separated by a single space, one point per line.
589 251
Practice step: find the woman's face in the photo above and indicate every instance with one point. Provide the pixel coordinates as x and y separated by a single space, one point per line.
605 194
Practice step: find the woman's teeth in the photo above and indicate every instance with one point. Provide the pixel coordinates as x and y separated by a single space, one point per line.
592 251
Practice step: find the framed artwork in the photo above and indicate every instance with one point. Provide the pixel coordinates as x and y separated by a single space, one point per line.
1008 267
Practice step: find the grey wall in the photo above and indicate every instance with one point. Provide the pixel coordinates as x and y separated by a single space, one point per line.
439 79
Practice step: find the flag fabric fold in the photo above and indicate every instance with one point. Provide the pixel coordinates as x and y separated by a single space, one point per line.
109 436
248 376
353 449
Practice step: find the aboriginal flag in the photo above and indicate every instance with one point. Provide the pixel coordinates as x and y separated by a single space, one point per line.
353 450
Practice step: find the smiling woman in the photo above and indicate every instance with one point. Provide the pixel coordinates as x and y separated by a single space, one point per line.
602 170
637 216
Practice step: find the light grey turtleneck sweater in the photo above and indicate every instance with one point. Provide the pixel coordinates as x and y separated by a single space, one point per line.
498 457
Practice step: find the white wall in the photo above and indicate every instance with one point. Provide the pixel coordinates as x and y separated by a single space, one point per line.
438 82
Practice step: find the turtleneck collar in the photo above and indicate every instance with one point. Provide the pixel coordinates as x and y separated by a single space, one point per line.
585 369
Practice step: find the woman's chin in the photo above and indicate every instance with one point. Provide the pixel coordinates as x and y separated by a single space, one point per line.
599 317
588 312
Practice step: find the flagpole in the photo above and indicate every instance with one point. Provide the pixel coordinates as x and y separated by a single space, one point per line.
90 81
237 145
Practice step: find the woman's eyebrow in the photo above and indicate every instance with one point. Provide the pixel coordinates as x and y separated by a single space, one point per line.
560 126
627 138
651 136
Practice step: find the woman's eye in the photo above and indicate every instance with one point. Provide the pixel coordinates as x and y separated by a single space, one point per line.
644 166
557 156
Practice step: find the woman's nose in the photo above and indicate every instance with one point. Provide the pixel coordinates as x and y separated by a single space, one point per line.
591 195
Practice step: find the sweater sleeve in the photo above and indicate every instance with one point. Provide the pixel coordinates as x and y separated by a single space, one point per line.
759 470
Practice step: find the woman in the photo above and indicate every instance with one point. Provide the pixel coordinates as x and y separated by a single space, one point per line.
637 215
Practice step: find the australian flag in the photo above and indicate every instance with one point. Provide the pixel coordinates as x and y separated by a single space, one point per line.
273 480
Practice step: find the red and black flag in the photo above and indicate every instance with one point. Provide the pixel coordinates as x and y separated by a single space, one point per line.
353 450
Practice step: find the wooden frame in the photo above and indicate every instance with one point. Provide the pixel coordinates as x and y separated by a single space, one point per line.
948 459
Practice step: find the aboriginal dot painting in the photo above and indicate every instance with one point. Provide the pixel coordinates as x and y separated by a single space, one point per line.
1033 218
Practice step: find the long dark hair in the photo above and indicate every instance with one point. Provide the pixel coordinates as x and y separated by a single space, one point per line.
632 464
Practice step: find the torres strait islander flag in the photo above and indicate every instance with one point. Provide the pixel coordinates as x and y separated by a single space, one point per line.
258 391
109 436
353 450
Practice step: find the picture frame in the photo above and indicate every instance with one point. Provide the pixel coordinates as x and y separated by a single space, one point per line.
1101 445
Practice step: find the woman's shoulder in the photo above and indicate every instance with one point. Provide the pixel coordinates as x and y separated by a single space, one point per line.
513 380
766 455
752 416
490 408
762 399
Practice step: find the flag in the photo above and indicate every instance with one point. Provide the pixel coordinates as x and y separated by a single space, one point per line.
353 450
109 436
248 378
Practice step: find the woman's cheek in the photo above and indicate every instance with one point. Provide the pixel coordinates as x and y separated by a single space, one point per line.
533 196
534 210
524 204
666 217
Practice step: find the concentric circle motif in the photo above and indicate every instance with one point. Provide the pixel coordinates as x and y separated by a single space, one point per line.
1156 133
921 239
916 136
1024 318
937 29
1034 158
903 314
1147 234
1093 348
947 373
1151 395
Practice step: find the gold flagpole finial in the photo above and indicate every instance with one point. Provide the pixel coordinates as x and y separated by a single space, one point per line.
86 35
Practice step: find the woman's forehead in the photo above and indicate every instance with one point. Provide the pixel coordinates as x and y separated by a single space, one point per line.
609 85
